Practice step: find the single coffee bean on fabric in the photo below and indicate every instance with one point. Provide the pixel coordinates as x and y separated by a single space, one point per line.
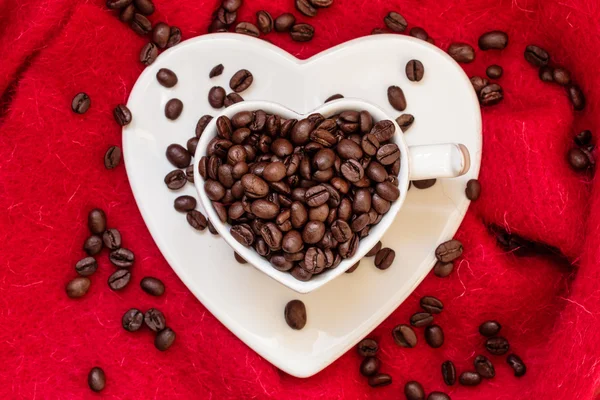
442 269
379 380
367 347
231 5
448 373
295 314
284 22
81 103
225 17
148 53
302 32
176 179
174 37
112 239
216 96
438 396
264 21
516 364
96 379
546 73
112 157
404 336
155 320
132 320
414 70
173 109
395 22
419 33
97 221
497 345
583 138
396 99
414 391
461 52
473 189
374 250
117 4
484 367
494 71
421 319
384 258
121 257
160 35
145 7
241 80
491 94
449 251
164 339
469 378
197 220
127 14
122 115
490 328
434 336
479 83
306 8
119 279
536 56
576 96
247 28
152 286
578 159
370 366
494 40
78 287
93 245
166 77
140 24
431 304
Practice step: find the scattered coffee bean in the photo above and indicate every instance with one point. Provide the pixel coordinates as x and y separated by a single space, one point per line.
140 24
404 336
302 32
431 305
97 221
92 245
370 366
216 97
119 279
121 257
561 76
414 391
231 5
216 71
127 13
112 239
334 97
497 40
117 4
396 98
264 21
583 138
516 364
175 179
225 17
197 220
442 270
202 123
148 53
122 115
449 251
239 258
305 7
536 56
546 74
374 250
132 320
380 380
424 184
81 103
378 31
448 373
241 80
212 229
166 77
164 339
174 37
419 33
461 52
414 70
161 34
145 7
494 71
497 345
473 189
284 22
384 258
405 121
469 378
434 336
96 379
438 396
295 314
353 268
578 159
173 109
484 367
178 156
112 157
246 28
490 328
86 266
421 319
367 348
491 94
191 145
576 96
184 203
152 286
479 83
395 22
155 320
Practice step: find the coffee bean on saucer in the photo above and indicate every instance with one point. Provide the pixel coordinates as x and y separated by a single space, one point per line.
491 94
367 347
369 366
117 4
212 229
414 70
112 239
173 109
174 37
414 391
395 22
97 221
178 156
148 53
132 320
461 52
202 123
284 22
484 367
404 336
473 189
152 286
384 258
380 380
424 184
546 73
155 320
536 56
421 319
127 13
353 268
431 304
434 336
216 97
197 220
121 257
334 97
405 121
578 159
164 339
264 21
305 7
469 378
442 270
241 80
516 364
449 251
119 279
160 35
96 379
497 345
166 77
449 373
494 71
239 258
216 71
140 24
122 115
576 96
374 250
302 32
494 40
438 396
176 179
396 98
295 314
184 203
246 28
490 328
81 103
92 245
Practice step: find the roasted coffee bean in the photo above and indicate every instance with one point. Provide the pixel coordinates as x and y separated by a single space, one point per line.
490 328
461 52
395 22
376 172
191 145
317 195
367 348
362 201
369 366
127 13
380 380
239 258
155 320
272 236
378 31
264 21
536 56
414 70
148 53
81 103
225 17
404 336
97 221
246 28
578 159
160 35
212 229
112 157
442 270
92 245
313 232
152 286
583 138
232 98
122 115
576 96
546 74
117 4
384 258
132 320
497 345
112 239
414 391
419 33
434 336
493 40
314 260
491 94
96 379
243 234
86 266
494 71
396 99
231 5
241 80
292 242
174 37
221 211
449 251
255 186
168 79
164 339
284 22
324 159
479 83
173 109
216 71
216 96
145 7
388 191
278 262
140 24
561 76
388 154
353 268
302 32
321 3
438 396
421 319
175 179
449 373
360 223
424 184
484 367
295 314
352 170
473 189
517 365
178 156
305 7
119 279
469 378
431 305
405 121
334 97
347 149
341 231
121 257
374 250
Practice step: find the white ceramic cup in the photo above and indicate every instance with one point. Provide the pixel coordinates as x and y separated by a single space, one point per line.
416 163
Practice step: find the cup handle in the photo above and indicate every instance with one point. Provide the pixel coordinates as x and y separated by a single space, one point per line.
447 160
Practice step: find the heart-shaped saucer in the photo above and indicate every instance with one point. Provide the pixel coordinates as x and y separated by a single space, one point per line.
244 299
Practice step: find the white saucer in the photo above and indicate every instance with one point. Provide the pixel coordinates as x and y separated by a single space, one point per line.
244 299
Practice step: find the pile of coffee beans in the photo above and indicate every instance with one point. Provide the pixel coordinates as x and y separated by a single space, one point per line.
370 365
581 158
302 193
154 319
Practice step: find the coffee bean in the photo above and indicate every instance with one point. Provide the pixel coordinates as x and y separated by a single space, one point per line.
536 56
178 156
122 115
92 245
583 138
302 32
461 52
367 347
112 157
321 3
414 70
387 191
449 251
174 37
380 380
353 268
442 270
419 33
145 7
479 83
119 279
396 99
295 314
424 184
81 103
284 22
140 24
576 96
405 121
231 5
197 220
421 319
184 203
155 320
516 364
96 379
494 71
246 28
166 77
370 366
449 373
561 76
388 154
395 22
216 71
305 7
378 31
121 257
164 339
97 221
264 21
484 367
160 35
241 80
546 74
431 305
384 258
497 345
175 179
112 239
117 4
127 13
216 96
148 53
434 336
243 234
225 17
404 336
152 286
469 378
132 320
438 396
86 266
173 109
473 189
317 195
490 328
493 40
578 159
334 97
414 391
491 94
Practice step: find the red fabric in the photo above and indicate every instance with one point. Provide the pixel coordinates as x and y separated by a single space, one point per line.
51 174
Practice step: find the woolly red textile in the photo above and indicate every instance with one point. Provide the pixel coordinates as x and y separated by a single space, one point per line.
51 175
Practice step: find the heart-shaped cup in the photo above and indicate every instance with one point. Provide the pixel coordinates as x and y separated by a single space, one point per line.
416 163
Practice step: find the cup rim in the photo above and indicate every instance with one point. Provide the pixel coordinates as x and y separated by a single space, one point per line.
364 245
